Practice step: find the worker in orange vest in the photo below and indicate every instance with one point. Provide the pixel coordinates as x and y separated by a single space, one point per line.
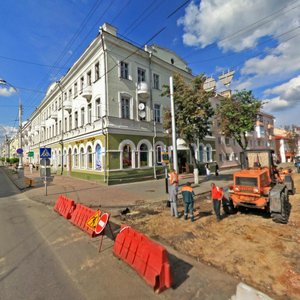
217 196
188 200
173 189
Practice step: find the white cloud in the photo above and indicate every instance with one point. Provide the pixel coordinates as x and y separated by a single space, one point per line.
236 24
6 92
288 96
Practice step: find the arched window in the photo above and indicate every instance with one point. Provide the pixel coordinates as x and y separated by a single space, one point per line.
89 157
98 154
201 153
82 161
75 158
127 157
208 153
143 155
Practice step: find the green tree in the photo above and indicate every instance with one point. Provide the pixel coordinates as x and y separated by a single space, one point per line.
193 111
237 116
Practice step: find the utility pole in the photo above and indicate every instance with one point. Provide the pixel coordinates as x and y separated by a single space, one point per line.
175 161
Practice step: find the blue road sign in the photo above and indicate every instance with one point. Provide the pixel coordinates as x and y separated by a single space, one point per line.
45 152
19 150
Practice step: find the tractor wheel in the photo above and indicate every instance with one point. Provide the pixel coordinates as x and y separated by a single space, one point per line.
282 217
228 207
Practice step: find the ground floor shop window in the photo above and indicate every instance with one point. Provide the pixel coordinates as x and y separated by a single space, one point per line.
98 154
89 157
127 157
143 155
82 160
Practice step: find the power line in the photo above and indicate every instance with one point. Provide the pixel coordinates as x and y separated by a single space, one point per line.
30 62
149 40
71 41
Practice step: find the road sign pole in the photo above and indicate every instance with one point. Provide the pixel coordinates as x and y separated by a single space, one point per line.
46 191
166 178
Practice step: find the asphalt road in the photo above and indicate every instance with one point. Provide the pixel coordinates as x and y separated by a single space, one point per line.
28 267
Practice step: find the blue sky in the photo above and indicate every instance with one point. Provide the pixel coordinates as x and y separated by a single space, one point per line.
258 39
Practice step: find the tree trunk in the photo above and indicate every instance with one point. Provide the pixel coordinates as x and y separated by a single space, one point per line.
193 156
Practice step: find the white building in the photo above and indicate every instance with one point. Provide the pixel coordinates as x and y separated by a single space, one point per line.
103 120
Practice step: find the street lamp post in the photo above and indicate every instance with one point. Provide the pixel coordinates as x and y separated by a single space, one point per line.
20 150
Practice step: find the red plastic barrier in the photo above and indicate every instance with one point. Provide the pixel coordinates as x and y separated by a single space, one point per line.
147 257
80 216
64 206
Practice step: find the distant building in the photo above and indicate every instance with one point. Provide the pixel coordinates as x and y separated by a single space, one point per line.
287 143
227 149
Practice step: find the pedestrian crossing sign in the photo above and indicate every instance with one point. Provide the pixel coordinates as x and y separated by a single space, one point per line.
93 220
45 152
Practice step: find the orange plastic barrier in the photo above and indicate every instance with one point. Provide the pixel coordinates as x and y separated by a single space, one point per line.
64 206
80 216
148 258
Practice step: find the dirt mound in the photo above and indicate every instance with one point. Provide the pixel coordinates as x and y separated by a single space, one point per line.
247 245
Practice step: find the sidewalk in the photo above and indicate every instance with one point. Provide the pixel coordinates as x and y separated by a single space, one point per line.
115 197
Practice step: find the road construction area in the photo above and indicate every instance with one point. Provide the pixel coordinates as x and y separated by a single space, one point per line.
247 245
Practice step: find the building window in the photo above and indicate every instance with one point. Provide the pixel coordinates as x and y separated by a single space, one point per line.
208 153
219 140
127 157
82 113
89 157
98 109
66 125
143 155
157 113
156 81
201 153
89 78
81 84
76 119
82 163
59 126
70 121
90 113
227 141
70 94
75 89
97 71
124 70
75 158
227 156
141 74
125 108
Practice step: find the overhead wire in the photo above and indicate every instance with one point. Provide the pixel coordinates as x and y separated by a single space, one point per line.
152 37
69 44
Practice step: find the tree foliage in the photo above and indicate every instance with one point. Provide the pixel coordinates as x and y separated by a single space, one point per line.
193 111
237 115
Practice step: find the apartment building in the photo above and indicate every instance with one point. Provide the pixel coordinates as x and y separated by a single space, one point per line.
228 151
103 119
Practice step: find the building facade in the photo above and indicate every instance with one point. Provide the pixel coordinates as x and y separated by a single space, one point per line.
103 119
